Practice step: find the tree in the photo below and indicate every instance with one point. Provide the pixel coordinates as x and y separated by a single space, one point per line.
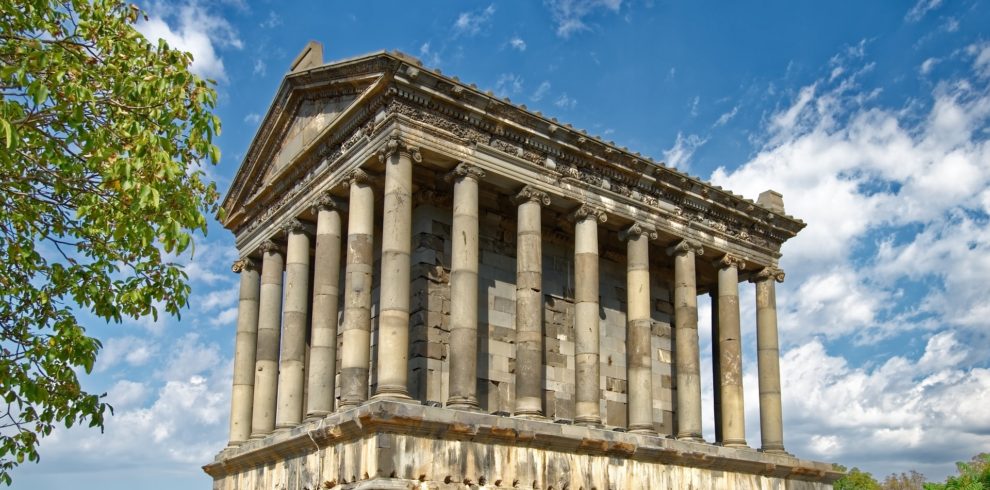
911 480
974 475
855 480
102 134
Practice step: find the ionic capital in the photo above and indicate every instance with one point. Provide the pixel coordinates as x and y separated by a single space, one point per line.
269 246
245 264
767 274
727 261
359 177
394 145
586 211
328 202
464 170
532 194
294 225
684 246
637 229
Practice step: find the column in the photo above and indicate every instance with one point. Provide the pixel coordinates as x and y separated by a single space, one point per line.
686 354
716 368
326 292
639 362
269 321
295 313
729 352
393 316
587 377
464 289
245 348
768 359
356 349
529 302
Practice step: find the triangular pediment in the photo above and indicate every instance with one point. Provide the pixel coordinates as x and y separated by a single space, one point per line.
312 116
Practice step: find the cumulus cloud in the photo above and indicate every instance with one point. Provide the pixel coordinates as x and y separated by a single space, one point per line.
570 15
192 27
129 350
252 118
471 23
679 155
517 43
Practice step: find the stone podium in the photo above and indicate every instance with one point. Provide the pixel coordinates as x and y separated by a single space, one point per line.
441 289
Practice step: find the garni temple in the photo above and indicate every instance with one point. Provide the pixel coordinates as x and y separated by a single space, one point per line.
440 289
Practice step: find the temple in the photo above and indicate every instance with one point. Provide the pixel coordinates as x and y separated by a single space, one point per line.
442 289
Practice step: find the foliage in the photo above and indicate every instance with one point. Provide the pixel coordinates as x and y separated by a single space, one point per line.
855 480
974 475
101 135
904 481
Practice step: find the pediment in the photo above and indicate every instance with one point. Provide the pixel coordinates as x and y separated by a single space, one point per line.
311 117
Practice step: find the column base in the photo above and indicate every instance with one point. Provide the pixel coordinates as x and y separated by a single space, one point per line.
257 436
529 415
385 392
641 430
690 438
735 443
774 450
594 422
350 404
316 415
463 403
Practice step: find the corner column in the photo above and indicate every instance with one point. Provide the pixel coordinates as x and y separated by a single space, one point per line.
639 362
686 351
587 350
295 313
269 334
768 359
529 302
326 293
464 289
245 348
730 383
356 356
393 317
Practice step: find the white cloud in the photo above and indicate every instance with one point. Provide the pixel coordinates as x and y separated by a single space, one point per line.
252 118
540 92
927 65
260 67
679 155
508 84
133 351
726 117
126 394
920 8
272 21
194 28
430 57
565 102
471 23
694 105
981 55
570 15
517 43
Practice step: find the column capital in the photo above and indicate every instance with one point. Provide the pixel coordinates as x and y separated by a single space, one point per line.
684 246
295 225
360 177
463 170
395 144
726 261
247 263
586 211
766 274
328 202
532 194
637 229
269 246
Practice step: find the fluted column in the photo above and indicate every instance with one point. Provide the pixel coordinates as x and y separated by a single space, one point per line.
639 362
730 383
326 293
245 348
269 333
356 348
295 312
393 316
529 302
686 354
587 381
768 359
464 289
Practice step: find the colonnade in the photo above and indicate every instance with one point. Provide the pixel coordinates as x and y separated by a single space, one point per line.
270 386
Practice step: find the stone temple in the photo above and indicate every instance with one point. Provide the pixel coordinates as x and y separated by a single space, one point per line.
440 289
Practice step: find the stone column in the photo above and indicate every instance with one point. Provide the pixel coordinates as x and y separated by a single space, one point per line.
716 369
245 348
326 293
587 377
639 362
730 383
393 316
269 321
464 289
295 313
768 359
356 356
686 352
529 302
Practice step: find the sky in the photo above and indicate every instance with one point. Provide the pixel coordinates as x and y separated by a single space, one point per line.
871 118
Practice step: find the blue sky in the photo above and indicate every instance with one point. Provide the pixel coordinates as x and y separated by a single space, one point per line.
872 119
